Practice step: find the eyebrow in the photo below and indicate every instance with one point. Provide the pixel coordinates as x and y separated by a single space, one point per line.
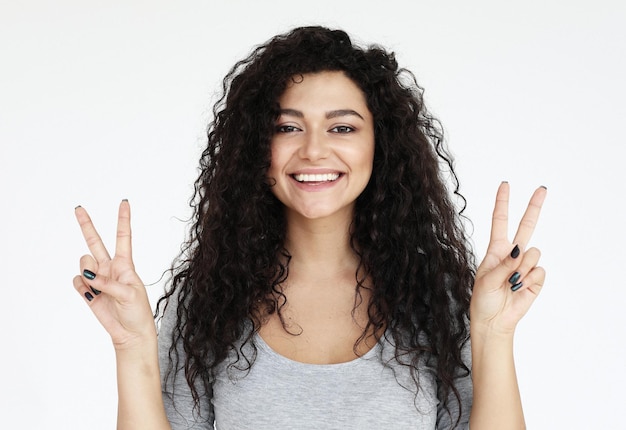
329 115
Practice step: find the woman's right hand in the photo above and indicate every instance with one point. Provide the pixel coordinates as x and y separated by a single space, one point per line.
111 287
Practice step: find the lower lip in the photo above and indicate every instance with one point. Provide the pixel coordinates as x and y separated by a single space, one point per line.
316 186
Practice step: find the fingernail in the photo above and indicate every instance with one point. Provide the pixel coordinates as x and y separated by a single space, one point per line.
515 252
96 292
505 182
79 206
89 274
514 278
517 286
124 200
88 296
544 187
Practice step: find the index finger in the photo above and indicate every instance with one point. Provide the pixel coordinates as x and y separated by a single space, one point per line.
530 218
123 244
92 238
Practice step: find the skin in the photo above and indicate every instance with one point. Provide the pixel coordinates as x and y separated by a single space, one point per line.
317 236
325 127
124 311
495 311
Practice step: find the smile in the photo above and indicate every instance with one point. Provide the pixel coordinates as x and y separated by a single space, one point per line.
323 177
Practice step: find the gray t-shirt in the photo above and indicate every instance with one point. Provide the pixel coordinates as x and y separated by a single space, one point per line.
279 393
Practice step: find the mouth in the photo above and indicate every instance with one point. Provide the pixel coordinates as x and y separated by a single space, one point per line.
316 178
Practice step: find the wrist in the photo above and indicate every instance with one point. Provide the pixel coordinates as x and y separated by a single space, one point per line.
490 340
136 344
139 360
490 330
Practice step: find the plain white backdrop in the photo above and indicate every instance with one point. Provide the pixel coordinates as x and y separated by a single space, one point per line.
105 100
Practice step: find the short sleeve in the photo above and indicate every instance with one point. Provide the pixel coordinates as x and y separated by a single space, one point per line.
177 398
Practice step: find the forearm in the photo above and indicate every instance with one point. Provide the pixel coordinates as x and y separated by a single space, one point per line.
140 403
497 403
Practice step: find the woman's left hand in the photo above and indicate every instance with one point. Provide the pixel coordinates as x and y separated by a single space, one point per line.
508 280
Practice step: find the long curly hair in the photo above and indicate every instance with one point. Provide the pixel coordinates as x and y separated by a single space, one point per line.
407 229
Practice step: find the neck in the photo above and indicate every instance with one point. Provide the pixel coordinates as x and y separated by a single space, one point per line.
320 246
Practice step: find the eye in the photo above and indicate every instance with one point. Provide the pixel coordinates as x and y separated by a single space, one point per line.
286 129
342 129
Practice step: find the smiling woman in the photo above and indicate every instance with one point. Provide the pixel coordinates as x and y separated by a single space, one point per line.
327 281
323 149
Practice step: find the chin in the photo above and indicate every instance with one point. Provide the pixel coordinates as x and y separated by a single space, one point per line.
319 213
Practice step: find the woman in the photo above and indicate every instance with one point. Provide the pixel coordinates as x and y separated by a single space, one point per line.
327 281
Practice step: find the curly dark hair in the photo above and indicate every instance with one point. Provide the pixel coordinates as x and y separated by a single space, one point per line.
407 230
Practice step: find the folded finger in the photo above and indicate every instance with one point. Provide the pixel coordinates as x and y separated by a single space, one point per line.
89 267
101 283
533 281
502 271
92 238
529 260
88 292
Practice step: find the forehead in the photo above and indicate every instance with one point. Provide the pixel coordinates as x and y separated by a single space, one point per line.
330 89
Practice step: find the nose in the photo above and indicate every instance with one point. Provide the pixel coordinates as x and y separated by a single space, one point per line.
315 146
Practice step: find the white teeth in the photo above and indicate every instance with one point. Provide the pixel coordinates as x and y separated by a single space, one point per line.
324 177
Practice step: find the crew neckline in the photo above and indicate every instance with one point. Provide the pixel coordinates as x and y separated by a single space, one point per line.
264 346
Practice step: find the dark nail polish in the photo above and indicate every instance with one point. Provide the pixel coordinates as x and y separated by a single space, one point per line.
515 252
79 206
544 187
96 292
89 274
517 286
88 296
124 200
514 278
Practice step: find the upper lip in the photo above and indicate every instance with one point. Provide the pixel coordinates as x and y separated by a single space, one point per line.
315 171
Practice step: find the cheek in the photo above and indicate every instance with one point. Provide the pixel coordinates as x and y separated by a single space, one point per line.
365 158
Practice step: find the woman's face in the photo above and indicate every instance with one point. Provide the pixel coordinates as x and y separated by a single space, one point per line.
323 146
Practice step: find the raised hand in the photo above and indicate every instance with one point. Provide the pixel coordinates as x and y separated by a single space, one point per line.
111 286
508 280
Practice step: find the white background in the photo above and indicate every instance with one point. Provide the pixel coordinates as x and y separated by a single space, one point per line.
104 100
